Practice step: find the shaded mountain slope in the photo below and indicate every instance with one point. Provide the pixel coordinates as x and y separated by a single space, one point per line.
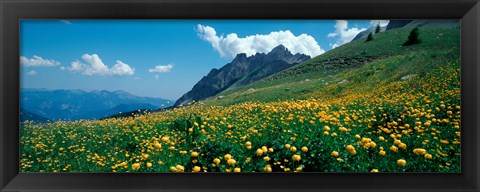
242 70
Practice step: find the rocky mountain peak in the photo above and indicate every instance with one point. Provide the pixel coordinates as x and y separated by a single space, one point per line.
279 49
279 52
240 57
242 70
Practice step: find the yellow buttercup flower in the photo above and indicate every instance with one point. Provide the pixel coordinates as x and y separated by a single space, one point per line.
293 149
401 162
296 157
135 166
366 140
231 162
334 154
267 169
196 169
166 139
264 149
393 148
194 154
259 152
382 153
326 128
428 156
397 142
304 149
419 151
180 168
351 149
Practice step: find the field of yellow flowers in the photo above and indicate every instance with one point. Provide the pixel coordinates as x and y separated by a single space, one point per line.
405 126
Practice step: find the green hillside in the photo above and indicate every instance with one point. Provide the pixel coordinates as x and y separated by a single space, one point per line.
364 65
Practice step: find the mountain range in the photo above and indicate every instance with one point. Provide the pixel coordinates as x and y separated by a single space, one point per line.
41 104
241 71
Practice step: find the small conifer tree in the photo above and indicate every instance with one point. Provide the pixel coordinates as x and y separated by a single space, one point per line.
377 30
369 37
412 38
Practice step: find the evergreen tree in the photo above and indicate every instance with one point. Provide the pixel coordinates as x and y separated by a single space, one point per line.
369 38
412 38
377 30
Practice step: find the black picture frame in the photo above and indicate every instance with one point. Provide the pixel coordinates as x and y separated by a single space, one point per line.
11 11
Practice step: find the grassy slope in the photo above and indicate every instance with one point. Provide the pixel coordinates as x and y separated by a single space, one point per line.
438 47
372 112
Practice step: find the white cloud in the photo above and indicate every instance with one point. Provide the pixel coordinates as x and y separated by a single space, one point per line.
382 23
333 45
121 68
66 22
332 35
37 61
95 66
231 45
161 68
343 34
32 72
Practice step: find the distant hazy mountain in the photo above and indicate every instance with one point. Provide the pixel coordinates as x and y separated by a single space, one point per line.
79 104
242 70
27 115
122 108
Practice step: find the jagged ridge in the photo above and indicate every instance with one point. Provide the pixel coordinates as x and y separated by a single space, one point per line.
242 70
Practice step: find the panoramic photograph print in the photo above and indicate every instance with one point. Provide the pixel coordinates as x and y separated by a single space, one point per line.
171 96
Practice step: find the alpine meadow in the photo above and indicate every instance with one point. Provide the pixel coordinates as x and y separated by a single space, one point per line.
385 100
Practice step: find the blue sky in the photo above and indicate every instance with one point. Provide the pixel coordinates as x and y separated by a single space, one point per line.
159 58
